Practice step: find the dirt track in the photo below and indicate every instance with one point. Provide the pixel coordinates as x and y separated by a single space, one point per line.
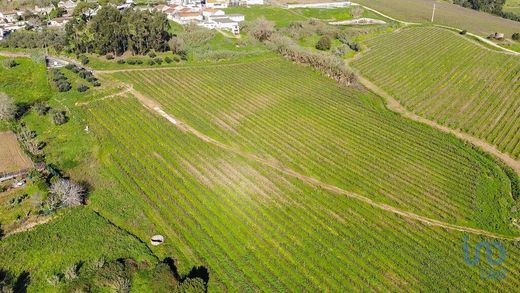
394 105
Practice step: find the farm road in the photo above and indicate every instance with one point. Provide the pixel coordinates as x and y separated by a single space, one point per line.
154 106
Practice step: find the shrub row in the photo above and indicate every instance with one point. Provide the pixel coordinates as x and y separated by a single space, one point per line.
60 80
330 65
85 74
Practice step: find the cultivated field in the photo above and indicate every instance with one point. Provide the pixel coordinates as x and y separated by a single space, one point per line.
448 14
12 157
256 228
342 136
512 6
441 76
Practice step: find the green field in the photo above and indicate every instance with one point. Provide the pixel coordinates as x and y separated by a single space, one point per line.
451 81
271 175
446 13
341 136
27 81
257 229
512 6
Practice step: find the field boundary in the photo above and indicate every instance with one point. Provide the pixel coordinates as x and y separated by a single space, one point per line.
155 107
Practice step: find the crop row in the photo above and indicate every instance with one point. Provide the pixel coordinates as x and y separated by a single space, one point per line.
340 136
258 230
437 74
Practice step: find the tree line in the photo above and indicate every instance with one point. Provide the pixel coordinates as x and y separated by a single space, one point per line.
110 31
489 6
114 31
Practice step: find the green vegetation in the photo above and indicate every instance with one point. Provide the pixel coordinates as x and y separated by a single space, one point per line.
439 75
78 235
255 228
276 176
245 119
480 23
512 6
32 87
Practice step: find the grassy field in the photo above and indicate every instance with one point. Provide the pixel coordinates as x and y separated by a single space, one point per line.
250 197
32 87
341 136
12 157
448 14
259 230
451 81
78 235
512 6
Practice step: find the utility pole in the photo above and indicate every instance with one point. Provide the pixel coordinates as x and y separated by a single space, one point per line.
433 12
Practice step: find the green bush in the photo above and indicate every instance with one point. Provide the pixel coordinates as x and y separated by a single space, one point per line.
323 44
59 118
151 62
168 60
152 54
158 60
121 61
82 88
84 59
41 108
516 36
10 63
109 56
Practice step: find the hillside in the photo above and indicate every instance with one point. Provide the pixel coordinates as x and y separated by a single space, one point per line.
446 13
451 80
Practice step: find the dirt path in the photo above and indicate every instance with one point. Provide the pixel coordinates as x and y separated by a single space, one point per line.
126 89
14 55
29 225
154 106
394 105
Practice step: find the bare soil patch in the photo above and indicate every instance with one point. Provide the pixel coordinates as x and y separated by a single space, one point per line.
12 157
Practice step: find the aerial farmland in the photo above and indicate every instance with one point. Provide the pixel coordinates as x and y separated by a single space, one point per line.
163 146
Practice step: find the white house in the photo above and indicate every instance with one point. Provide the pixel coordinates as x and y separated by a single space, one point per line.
227 24
216 3
184 17
233 17
59 22
212 12
254 2
43 10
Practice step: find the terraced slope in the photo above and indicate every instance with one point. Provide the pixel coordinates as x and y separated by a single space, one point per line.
477 22
258 230
443 77
291 116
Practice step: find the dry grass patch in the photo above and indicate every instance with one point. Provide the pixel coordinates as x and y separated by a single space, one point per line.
12 157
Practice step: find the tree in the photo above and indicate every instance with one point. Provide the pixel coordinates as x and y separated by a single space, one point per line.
66 193
41 108
110 31
7 107
324 43
261 29
516 36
